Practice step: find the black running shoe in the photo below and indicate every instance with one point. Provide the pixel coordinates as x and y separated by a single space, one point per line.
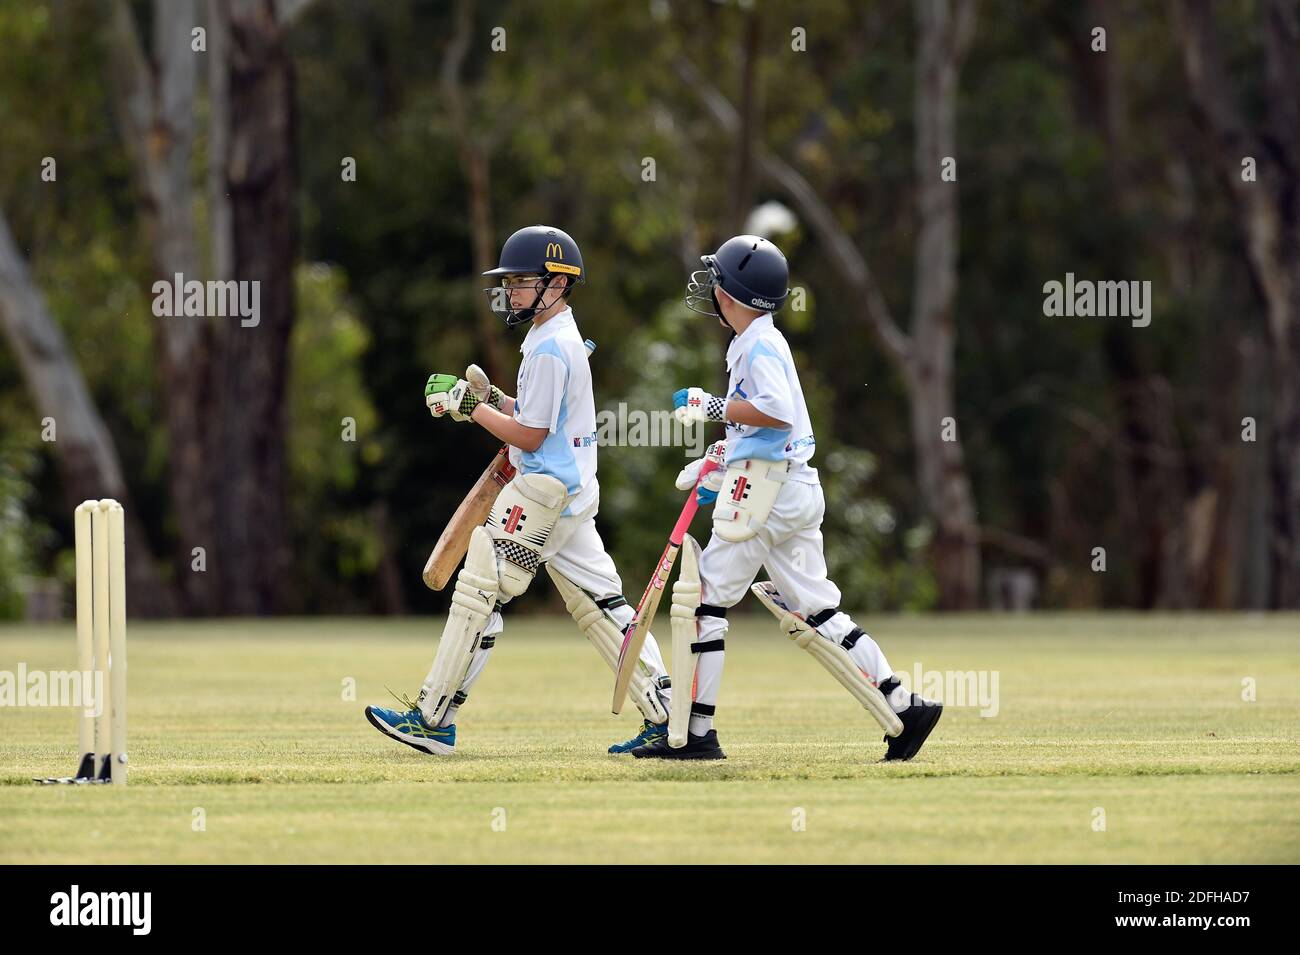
697 747
918 720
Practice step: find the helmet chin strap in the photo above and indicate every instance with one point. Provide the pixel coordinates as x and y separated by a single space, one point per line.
717 307
531 310
524 314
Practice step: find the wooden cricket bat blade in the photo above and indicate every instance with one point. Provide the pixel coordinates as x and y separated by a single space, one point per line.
473 511
634 640
630 653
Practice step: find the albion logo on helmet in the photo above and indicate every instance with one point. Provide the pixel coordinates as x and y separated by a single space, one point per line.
761 303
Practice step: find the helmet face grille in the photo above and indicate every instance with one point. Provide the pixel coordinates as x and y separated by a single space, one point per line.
499 302
699 292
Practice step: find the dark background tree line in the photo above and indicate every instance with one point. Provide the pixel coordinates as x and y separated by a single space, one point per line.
923 297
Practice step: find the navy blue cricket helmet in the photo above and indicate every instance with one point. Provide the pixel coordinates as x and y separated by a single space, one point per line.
749 268
539 250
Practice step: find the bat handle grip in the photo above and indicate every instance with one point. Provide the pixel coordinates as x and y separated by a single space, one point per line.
692 505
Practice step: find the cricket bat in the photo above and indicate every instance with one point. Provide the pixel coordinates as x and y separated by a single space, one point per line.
473 511
629 654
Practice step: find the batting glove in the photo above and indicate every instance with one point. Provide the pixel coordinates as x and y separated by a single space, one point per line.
487 392
689 476
458 400
465 399
695 404
437 394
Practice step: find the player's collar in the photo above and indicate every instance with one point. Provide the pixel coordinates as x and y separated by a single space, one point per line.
548 329
740 343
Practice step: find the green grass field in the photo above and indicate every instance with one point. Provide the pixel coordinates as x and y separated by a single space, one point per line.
248 745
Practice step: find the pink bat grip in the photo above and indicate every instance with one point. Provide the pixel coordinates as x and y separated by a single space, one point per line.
692 505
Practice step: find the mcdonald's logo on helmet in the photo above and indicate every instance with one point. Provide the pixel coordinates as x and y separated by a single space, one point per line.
554 251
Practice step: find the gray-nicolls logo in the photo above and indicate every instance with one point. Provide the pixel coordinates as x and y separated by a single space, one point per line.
74 908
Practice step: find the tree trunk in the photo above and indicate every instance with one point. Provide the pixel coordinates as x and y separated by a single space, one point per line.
1268 212
250 364
474 161
1148 446
83 447
1250 516
219 228
154 103
944 486
946 492
751 121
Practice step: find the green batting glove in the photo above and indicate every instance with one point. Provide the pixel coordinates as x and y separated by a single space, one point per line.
440 383
441 397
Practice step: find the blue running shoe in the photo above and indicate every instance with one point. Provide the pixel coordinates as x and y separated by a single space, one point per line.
410 728
650 732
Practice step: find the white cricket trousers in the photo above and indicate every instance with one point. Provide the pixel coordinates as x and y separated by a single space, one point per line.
789 546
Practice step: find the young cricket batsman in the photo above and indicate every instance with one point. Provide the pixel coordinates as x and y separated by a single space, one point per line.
546 514
768 509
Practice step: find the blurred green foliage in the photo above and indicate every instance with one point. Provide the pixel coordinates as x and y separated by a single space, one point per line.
583 94
19 533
